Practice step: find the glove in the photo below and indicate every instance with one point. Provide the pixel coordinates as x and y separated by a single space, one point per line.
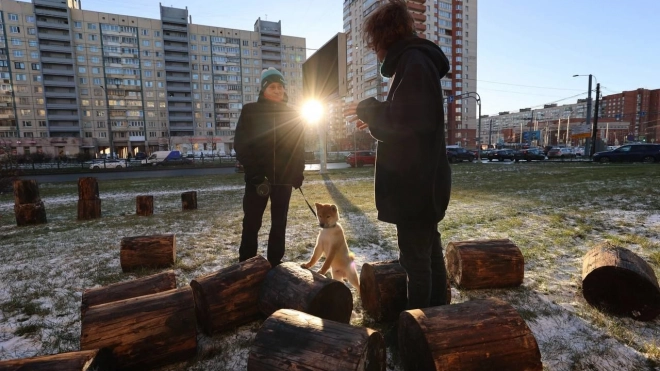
297 182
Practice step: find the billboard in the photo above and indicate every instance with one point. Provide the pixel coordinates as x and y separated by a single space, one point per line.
528 136
324 72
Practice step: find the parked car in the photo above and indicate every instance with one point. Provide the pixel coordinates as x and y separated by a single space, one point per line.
579 151
503 154
108 164
648 153
458 154
361 158
160 157
561 153
141 156
532 154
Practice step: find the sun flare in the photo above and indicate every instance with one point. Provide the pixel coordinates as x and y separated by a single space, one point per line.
312 111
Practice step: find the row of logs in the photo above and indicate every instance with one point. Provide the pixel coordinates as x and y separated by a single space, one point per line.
29 209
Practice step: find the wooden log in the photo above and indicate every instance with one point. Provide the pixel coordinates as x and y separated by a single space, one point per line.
157 251
293 340
486 334
229 297
144 205
485 264
88 188
86 360
189 200
620 282
144 332
290 286
26 192
30 214
89 209
156 283
384 291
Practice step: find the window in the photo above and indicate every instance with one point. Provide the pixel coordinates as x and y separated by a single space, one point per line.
36 66
19 65
145 42
29 18
32 43
83 80
32 31
96 81
21 77
92 37
156 33
96 70
13 17
81 59
96 60
77 24
16 41
91 26
14 29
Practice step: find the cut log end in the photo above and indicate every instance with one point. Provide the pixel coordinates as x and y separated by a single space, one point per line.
484 264
189 200
334 302
157 251
144 205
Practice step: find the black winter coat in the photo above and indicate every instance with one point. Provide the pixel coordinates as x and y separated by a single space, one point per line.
270 141
413 177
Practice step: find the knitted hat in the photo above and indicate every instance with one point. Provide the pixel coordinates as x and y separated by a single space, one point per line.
269 76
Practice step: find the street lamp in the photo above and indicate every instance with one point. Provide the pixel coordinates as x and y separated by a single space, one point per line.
593 139
107 120
478 99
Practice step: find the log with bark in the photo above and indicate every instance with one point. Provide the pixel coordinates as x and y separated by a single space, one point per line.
229 297
156 251
486 334
144 332
86 360
144 205
293 340
89 203
383 290
485 264
156 283
620 282
28 207
290 286
189 200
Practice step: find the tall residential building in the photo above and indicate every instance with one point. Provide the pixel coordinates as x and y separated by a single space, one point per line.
451 24
76 80
639 110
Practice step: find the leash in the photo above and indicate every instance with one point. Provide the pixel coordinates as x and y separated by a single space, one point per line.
307 202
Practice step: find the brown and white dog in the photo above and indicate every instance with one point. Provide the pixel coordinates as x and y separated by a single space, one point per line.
332 243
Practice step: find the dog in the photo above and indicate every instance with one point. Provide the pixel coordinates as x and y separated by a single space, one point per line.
332 244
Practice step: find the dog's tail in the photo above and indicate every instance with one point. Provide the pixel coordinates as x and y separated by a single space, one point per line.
351 256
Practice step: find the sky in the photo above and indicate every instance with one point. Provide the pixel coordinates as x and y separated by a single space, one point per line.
528 51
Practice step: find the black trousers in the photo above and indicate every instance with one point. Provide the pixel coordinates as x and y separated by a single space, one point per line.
420 254
253 210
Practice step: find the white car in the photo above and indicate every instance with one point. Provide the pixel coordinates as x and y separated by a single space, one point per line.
108 164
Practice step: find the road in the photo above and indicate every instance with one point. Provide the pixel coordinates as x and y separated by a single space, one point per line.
168 173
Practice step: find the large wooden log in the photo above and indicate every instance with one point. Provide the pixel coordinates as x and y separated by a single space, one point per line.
86 360
157 251
293 340
144 332
229 297
89 209
384 290
153 284
290 286
620 282
88 188
485 264
485 334
144 205
28 207
189 200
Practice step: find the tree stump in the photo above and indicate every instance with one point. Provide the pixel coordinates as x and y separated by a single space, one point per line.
144 332
157 251
620 282
28 207
189 200
229 297
89 202
292 340
86 360
290 286
486 334
144 205
156 283
384 290
485 264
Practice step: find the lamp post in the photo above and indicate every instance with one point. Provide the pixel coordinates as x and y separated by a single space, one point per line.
478 99
589 102
107 120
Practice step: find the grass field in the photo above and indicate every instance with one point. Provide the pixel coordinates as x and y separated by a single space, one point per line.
555 212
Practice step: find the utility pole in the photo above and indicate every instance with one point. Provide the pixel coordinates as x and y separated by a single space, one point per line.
589 110
490 133
595 127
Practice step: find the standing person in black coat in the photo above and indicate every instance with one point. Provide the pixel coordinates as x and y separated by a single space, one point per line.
413 178
270 145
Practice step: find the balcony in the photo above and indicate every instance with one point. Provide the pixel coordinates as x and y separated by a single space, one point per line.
50 12
176 58
418 17
179 99
181 117
57 60
271 57
178 78
275 65
53 24
416 7
55 48
265 31
69 106
62 117
54 36
172 108
172 37
62 83
65 128
420 27
58 71
60 94
271 39
175 48
175 27
185 89
268 48
177 68
4 116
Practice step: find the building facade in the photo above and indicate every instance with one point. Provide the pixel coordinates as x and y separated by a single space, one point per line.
76 80
451 24
638 109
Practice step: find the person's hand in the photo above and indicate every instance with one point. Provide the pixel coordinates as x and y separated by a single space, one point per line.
361 125
256 179
297 182
350 112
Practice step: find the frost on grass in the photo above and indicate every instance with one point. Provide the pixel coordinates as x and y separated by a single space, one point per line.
554 212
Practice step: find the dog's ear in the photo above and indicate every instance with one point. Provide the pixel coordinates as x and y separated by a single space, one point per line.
317 204
334 208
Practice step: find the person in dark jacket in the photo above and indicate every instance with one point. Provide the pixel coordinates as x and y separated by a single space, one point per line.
270 145
413 177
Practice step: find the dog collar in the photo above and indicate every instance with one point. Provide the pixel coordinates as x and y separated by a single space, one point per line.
330 227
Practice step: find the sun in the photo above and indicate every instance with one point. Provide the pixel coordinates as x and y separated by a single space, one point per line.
312 111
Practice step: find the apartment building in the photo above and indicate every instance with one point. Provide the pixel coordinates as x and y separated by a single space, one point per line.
76 80
639 110
452 24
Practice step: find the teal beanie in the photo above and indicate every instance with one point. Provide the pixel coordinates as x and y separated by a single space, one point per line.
269 76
